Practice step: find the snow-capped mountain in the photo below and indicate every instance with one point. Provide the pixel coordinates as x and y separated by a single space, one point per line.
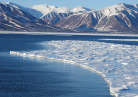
11 17
50 14
117 9
53 14
120 17
46 9
14 18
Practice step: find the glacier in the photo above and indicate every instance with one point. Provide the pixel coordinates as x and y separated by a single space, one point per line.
116 63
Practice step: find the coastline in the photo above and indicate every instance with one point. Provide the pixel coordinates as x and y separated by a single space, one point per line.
109 66
82 65
67 61
72 76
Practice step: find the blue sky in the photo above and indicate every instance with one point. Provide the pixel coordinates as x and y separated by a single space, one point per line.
95 4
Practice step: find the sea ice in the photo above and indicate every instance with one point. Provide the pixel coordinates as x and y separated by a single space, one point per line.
116 63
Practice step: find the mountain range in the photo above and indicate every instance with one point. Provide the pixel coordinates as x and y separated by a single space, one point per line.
117 18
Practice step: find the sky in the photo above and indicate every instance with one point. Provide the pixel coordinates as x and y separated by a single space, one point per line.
94 4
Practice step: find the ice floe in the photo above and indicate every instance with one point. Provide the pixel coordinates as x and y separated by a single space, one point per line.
116 63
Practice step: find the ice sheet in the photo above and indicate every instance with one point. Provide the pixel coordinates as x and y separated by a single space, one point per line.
116 63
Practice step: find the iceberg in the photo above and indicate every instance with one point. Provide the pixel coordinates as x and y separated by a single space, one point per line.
116 63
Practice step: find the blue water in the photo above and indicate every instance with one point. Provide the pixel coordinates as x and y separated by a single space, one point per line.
32 77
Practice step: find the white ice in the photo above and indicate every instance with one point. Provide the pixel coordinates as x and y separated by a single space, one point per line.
116 63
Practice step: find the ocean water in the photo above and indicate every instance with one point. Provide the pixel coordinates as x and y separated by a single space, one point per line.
33 77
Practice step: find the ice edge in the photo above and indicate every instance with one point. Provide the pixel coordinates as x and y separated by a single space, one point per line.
67 61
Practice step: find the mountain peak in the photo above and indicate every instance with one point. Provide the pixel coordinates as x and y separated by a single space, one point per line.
81 9
128 5
45 9
122 4
116 9
9 3
14 5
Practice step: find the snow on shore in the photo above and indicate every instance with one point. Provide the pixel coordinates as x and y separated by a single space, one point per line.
116 63
66 33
